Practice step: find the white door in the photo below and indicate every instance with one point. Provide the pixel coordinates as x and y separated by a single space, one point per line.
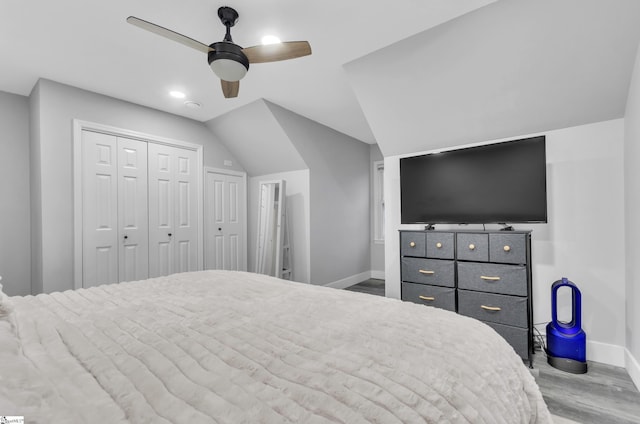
173 210
133 218
100 209
225 221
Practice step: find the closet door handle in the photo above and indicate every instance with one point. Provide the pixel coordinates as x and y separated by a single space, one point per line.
169 234
126 237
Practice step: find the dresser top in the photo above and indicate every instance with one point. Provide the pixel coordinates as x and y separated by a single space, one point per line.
506 232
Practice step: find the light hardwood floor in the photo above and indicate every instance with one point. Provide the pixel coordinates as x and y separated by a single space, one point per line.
604 395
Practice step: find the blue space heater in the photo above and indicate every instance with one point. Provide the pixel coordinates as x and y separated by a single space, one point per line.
566 341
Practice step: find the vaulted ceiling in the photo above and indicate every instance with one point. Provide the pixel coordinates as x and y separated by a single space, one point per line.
509 69
411 74
88 44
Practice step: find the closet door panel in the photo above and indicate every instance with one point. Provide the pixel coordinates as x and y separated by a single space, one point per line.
186 224
133 215
100 213
161 210
173 213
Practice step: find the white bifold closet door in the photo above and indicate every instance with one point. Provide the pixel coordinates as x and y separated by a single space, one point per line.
173 214
115 216
139 209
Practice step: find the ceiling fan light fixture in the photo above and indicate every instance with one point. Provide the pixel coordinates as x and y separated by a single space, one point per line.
228 61
228 69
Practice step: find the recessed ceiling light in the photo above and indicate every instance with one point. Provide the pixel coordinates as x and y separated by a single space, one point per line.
177 94
192 105
270 39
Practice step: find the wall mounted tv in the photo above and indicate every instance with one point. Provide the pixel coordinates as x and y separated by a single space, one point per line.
494 183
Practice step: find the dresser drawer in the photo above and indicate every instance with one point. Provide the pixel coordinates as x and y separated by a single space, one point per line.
498 308
439 297
494 278
472 247
428 271
508 248
412 244
518 338
440 245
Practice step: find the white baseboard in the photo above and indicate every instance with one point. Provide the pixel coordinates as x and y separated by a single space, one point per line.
352 280
378 275
633 368
606 353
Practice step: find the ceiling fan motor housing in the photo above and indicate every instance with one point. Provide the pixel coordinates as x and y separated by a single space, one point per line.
228 16
228 61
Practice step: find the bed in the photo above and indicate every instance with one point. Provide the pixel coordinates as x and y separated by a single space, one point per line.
236 347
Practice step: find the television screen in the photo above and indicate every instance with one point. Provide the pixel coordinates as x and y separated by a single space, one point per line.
495 183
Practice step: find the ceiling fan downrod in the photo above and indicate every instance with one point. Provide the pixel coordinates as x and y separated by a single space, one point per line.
228 16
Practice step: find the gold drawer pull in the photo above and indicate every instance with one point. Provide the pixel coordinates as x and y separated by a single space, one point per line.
506 248
412 244
430 298
472 246
484 277
439 245
424 271
490 308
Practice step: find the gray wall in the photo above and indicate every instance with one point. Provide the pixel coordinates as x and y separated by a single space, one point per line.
632 224
254 136
58 105
36 190
15 234
339 202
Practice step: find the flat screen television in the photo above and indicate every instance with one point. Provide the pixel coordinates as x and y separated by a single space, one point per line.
495 183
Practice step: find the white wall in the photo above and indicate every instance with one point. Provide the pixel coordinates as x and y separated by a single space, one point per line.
632 224
15 226
512 67
57 106
377 248
583 241
297 207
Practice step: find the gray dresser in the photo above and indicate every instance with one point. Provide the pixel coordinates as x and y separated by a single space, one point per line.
481 274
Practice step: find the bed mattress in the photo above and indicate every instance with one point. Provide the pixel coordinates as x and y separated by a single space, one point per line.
235 347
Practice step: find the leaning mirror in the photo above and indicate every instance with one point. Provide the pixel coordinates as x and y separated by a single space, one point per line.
271 209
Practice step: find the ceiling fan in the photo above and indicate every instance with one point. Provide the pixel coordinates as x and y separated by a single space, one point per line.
229 61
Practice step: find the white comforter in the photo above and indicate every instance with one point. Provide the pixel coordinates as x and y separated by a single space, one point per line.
230 347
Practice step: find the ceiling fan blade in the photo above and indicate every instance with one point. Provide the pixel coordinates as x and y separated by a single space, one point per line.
167 33
230 88
276 52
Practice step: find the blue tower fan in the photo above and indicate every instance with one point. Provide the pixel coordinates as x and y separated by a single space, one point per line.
566 341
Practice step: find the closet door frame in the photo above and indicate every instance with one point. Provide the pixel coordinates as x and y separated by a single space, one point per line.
78 127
